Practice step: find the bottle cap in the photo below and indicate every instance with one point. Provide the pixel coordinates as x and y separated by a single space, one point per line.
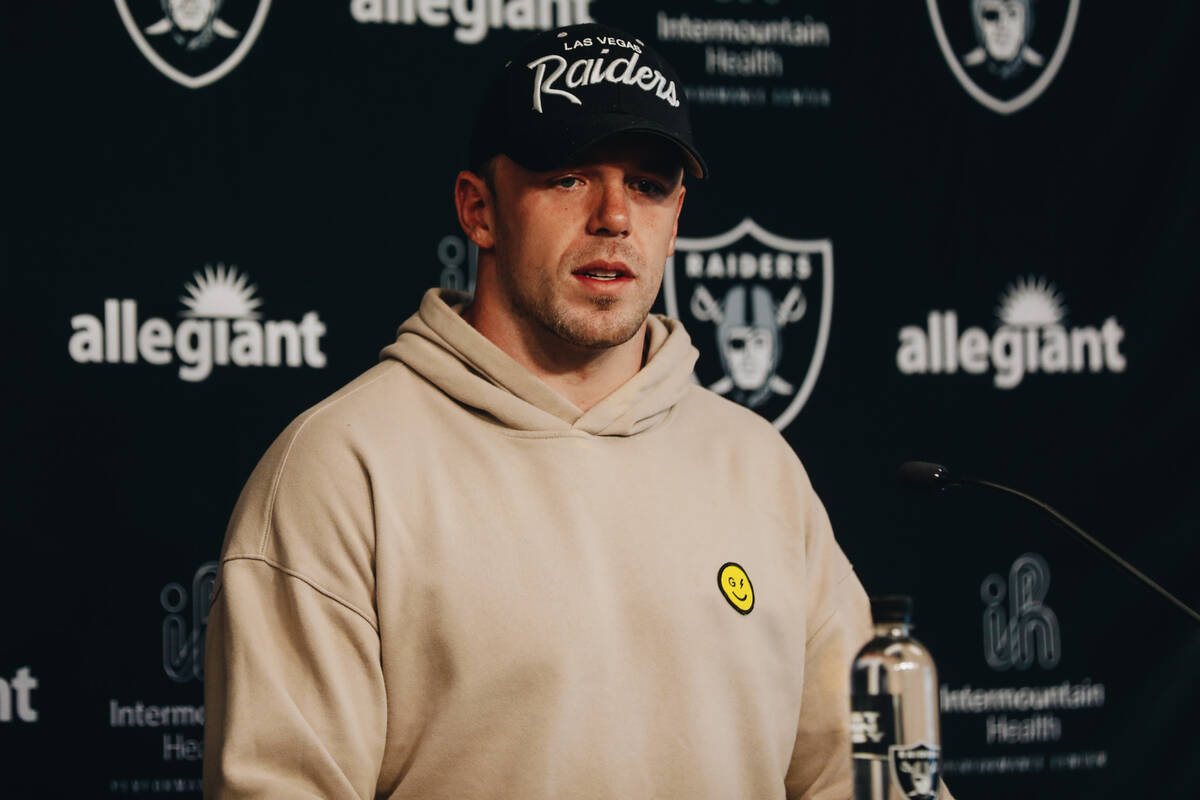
892 608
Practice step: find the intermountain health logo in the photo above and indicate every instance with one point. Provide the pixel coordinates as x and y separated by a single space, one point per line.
1030 338
194 42
768 300
473 19
184 626
220 327
1004 52
1018 627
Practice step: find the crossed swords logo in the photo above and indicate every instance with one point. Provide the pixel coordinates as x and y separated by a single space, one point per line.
705 308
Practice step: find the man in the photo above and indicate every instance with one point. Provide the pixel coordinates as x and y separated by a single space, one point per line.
526 556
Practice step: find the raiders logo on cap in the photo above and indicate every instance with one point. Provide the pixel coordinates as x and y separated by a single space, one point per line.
568 88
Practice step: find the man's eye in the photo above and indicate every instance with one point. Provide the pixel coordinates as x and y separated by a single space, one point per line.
653 188
567 181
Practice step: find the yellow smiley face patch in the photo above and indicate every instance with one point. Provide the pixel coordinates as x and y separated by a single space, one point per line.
735 585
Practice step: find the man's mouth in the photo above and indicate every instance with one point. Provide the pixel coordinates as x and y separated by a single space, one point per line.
602 271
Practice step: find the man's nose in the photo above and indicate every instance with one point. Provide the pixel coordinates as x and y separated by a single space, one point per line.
610 217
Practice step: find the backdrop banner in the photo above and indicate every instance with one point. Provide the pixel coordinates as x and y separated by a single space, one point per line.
956 231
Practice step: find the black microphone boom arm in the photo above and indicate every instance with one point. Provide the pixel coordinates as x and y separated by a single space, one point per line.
935 477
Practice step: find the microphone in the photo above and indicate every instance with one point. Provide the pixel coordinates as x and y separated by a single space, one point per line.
932 477
925 475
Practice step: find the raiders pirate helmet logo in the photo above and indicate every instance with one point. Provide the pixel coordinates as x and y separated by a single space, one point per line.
1004 52
193 42
758 307
916 769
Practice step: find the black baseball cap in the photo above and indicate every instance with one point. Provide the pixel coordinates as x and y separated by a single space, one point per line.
570 87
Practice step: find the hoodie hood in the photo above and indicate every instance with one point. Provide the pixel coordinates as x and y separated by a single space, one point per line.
442 347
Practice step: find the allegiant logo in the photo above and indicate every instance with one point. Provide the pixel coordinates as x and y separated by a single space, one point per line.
473 19
1029 339
220 327
16 697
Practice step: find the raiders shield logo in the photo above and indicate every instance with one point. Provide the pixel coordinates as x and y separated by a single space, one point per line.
1004 52
758 307
194 42
915 769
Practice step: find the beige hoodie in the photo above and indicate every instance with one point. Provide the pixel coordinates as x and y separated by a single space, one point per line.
445 581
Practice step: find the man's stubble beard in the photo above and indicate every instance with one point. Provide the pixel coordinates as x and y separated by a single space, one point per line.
610 321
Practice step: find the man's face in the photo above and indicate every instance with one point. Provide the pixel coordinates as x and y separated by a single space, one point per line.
580 250
1003 26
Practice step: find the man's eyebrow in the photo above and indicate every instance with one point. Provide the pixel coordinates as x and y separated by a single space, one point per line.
665 166
672 173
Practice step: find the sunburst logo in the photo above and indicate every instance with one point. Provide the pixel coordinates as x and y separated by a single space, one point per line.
1032 337
220 327
220 294
1031 303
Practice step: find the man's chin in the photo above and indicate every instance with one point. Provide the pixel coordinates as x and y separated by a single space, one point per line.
592 334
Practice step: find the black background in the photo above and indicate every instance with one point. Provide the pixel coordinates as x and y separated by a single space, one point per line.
321 166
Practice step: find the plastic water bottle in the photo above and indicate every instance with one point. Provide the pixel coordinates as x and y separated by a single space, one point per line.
894 710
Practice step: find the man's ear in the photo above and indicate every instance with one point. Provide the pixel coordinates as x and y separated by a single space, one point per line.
476 209
675 225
